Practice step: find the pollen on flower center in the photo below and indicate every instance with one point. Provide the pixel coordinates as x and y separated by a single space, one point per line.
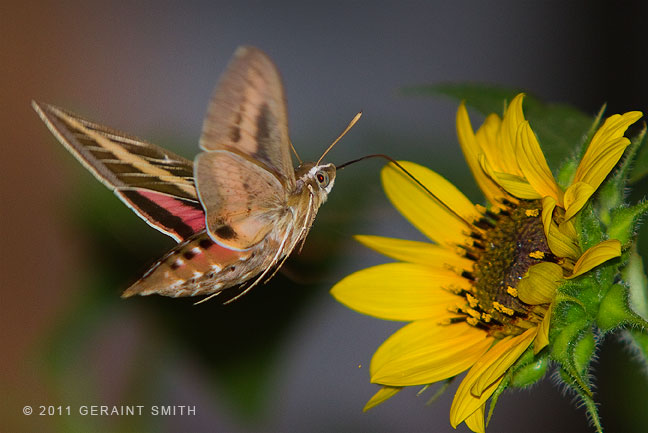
509 243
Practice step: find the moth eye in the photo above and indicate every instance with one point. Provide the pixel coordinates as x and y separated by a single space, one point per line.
323 178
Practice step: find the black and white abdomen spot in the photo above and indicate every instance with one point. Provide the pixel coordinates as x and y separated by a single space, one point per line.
177 263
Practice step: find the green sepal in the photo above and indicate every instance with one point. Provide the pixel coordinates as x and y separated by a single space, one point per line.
638 340
529 370
566 172
568 320
589 227
635 276
493 400
615 312
624 221
577 359
574 370
526 371
583 351
439 392
571 326
609 198
586 396
641 163
578 300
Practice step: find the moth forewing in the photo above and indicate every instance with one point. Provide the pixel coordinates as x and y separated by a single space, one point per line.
154 182
243 201
247 113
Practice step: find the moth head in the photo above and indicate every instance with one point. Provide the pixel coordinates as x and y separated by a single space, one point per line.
320 177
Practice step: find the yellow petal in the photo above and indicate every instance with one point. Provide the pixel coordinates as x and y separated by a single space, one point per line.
493 369
540 283
508 136
596 255
399 291
515 185
542 339
475 422
431 215
463 408
567 228
471 150
560 244
533 164
488 140
605 149
486 135
484 377
425 352
423 253
474 390
575 198
548 206
600 167
385 393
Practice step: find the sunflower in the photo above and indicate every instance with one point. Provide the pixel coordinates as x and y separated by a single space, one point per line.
481 294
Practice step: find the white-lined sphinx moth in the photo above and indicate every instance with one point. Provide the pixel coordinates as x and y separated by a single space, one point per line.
238 210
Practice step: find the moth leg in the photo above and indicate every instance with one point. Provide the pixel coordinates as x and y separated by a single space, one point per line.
208 297
302 234
277 256
307 226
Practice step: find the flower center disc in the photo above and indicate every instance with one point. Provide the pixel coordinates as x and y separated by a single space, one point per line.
506 249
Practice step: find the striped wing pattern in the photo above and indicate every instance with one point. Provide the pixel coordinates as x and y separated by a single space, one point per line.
158 186
156 183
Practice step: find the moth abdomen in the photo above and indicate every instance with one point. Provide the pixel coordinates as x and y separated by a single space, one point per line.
195 267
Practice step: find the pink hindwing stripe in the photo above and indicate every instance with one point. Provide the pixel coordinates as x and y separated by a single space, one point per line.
192 216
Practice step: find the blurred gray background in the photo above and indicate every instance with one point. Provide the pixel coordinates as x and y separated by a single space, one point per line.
69 247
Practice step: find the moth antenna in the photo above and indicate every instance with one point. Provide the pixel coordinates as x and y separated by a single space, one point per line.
295 151
411 176
349 126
